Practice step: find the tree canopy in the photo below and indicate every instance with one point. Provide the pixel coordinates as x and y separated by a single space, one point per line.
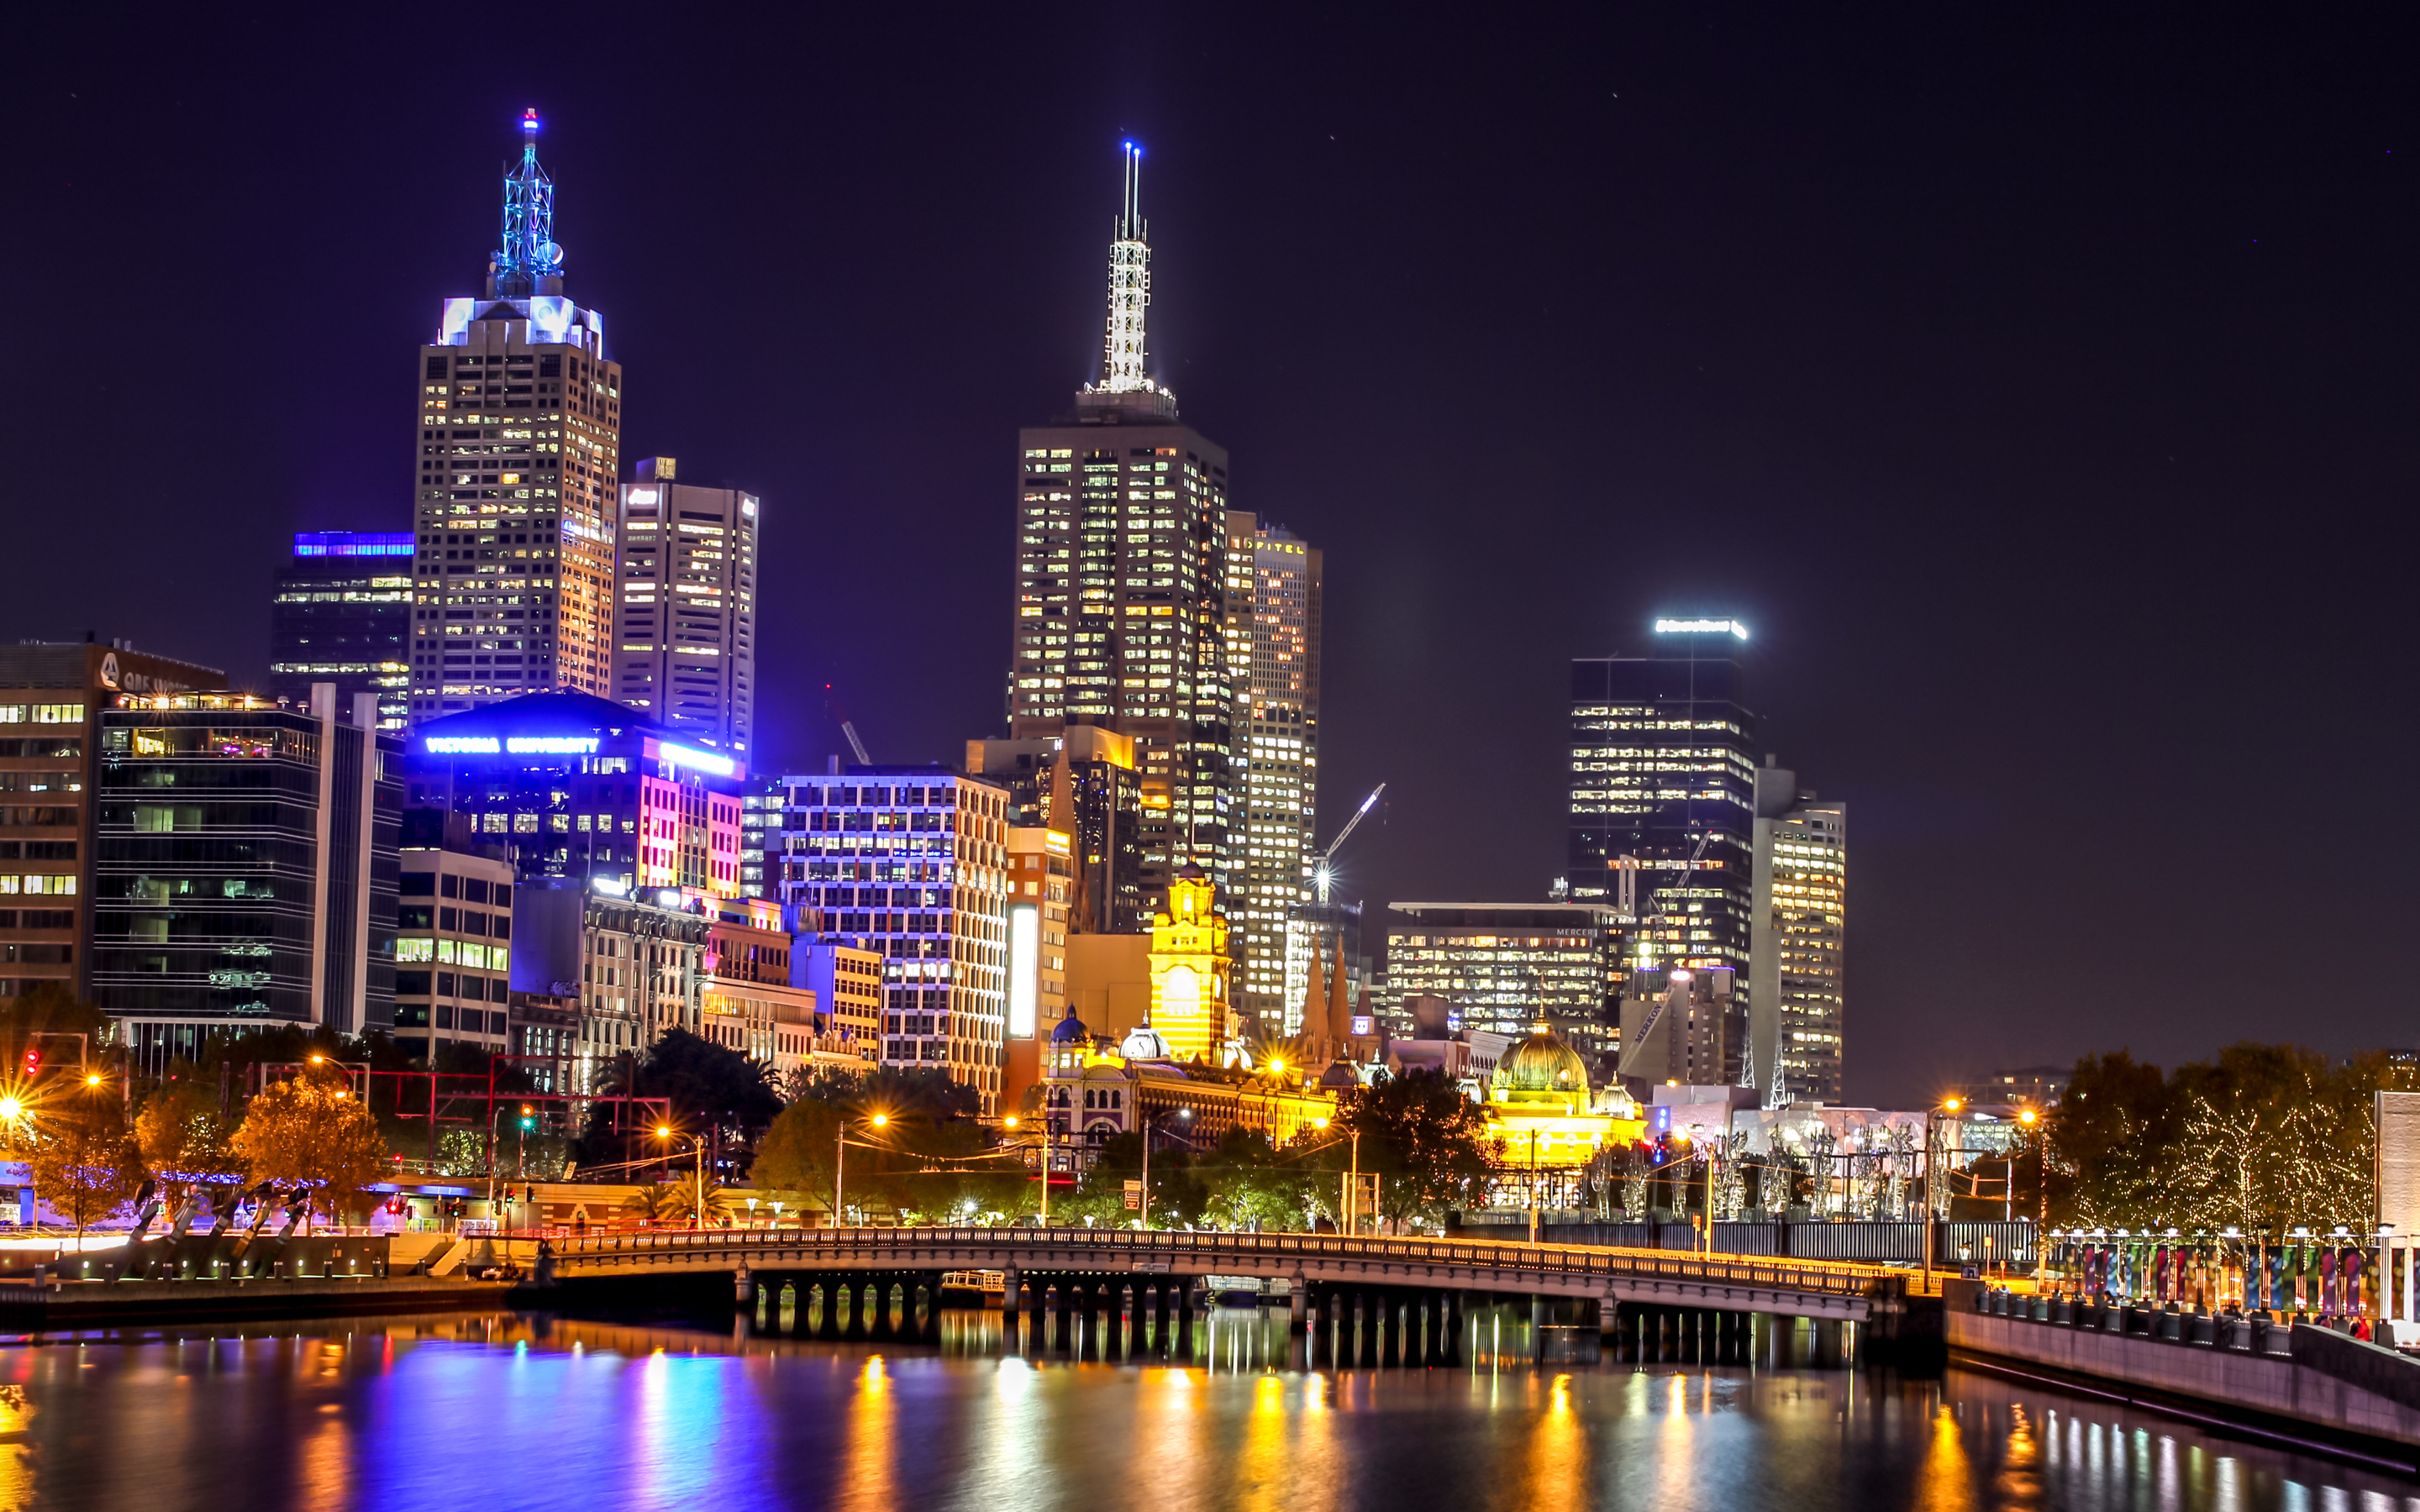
312 1130
1428 1142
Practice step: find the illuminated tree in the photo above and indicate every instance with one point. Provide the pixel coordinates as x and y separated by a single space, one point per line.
84 1158
314 1133
183 1133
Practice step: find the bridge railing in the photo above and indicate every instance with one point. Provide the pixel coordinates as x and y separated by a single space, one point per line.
1204 1252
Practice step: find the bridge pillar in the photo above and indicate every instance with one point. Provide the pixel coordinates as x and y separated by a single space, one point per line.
1185 1317
1009 1283
1037 1303
1088 1320
1298 1314
1064 1296
1537 1328
1827 1342
1454 1329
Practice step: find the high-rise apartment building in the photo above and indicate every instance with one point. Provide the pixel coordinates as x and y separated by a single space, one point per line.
1798 981
912 862
1663 785
599 973
1503 967
1121 583
342 614
1273 613
51 701
454 935
686 655
520 433
245 867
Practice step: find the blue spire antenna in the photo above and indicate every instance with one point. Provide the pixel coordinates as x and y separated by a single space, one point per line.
528 253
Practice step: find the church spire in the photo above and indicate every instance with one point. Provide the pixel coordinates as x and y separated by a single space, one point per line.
1125 384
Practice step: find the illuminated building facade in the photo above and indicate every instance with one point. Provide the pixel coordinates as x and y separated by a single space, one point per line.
687 606
748 1002
245 867
1502 968
520 447
910 862
1540 1106
1121 584
1273 645
1096 1087
574 786
342 614
1663 785
454 931
1104 812
1798 981
50 699
1192 991
1041 908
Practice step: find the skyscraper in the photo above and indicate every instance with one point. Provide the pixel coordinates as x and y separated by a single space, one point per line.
341 614
1273 611
1798 984
521 427
1121 581
1663 795
687 606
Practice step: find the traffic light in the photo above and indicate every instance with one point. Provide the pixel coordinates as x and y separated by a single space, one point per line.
33 1062
529 1118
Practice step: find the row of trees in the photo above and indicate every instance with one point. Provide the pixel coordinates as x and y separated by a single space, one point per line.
2262 1136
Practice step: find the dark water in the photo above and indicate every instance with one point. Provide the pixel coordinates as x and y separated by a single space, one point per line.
508 1411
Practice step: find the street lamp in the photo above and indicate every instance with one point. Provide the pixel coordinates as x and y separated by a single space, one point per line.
2031 1119
698 1146
840 1157
1352 1179
1932 1181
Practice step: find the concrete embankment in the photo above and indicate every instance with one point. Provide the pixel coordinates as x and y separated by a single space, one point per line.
2307 1383
225 1278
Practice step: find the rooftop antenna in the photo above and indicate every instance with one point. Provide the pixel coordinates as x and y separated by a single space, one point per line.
529 253
1124 347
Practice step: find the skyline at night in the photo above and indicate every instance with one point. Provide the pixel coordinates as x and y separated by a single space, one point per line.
2022 400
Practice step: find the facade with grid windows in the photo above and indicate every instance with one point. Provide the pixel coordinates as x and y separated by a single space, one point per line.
1505 967
1798 984
686 612
341 614
1273 642
910 862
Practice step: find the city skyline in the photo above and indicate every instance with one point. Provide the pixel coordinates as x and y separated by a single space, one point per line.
1922 440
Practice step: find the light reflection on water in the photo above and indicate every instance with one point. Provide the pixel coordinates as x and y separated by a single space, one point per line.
517 1411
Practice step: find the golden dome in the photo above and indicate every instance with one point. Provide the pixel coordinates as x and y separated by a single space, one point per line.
1541 1063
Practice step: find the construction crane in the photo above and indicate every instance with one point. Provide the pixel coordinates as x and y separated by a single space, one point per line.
1322 871
847 730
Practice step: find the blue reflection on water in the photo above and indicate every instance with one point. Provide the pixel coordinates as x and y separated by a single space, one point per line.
511 1412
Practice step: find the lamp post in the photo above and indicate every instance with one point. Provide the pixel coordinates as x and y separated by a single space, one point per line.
698 1147
840 1157
1148 1124
2030 1119
1949 1105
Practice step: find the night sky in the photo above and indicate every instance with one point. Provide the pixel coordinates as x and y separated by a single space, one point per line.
2037 384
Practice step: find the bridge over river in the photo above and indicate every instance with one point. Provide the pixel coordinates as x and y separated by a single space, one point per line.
887 1282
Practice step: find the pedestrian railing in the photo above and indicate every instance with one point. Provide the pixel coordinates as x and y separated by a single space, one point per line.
1210 1251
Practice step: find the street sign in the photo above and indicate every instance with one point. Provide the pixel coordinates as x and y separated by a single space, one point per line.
1134 1196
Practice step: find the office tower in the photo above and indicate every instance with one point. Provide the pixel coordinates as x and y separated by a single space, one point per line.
1798 977
1502 968
573 786
1043 902
1121 582
687 606
1663 795
1273 611
520 434
597 975
342 614
245 867
911 861
51 701
453 944
1104 812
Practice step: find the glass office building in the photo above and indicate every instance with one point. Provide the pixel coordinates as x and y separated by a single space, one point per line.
341 614
1506 967
245 867
1663 794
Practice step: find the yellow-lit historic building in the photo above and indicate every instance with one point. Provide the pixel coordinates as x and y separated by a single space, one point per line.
1538 1104
1191 1005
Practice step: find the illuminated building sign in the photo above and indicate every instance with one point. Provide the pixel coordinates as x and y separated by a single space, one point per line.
684 756
516 745
352 544
1701 628
1024 968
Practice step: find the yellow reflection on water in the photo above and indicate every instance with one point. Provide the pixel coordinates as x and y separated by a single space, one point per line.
323 1465
1557 1464
872 1414
1945 1480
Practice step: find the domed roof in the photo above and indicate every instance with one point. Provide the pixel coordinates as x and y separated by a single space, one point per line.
1070 1030
1541 1063
1338 1076
1143 1042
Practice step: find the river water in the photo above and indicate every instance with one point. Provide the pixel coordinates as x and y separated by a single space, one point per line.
509 1410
